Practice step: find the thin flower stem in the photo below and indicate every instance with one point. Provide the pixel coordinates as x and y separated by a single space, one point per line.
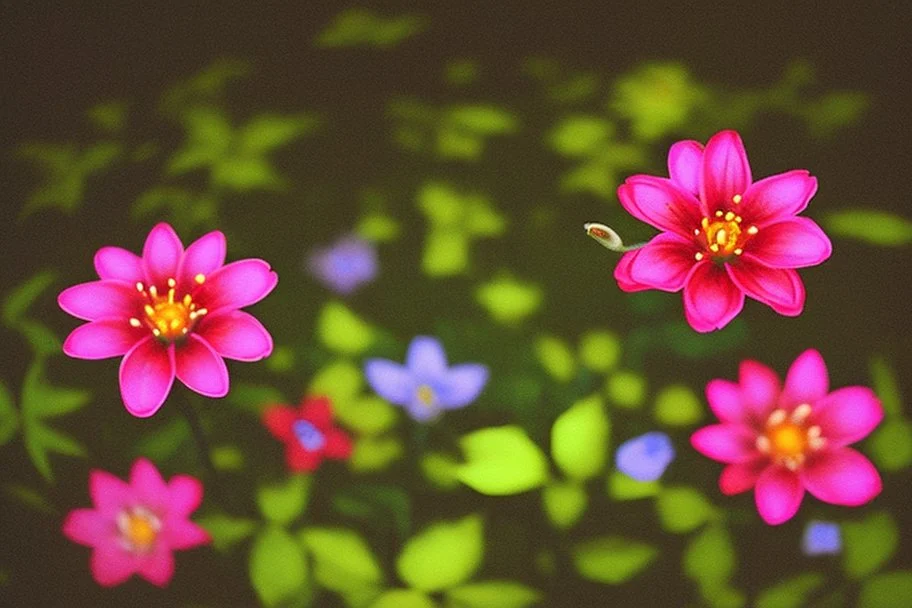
202 446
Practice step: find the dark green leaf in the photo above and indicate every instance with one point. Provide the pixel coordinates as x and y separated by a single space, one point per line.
18 301
790 593
9 415
889 590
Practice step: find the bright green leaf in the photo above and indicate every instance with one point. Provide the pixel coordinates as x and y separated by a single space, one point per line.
9 415
579 439
285 501
278 568
626 389
883 378
343 331
710 557
869 544
378 228
442 205
226 530
682 509
790 593
344 561
565 503
269 131
891 445
403 598
677 405
368 415
493 594
20 298
339 380
501 461
445 253
889 590
243 174
611 559
509 300
442 555
580 135
375 453
482 220
600 350
556 357
870 226
482 119
440 469
622 487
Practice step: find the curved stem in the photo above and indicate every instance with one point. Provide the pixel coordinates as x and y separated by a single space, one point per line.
608 238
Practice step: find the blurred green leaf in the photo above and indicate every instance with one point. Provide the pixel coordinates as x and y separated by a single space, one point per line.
868 544
403 598
442 555
162 442
209 135
461 72
612 559
492 594
482 119
187 210
283 502
682 509
509 300
580 135
835 110
66 171
377 505
579 439
9 415
565 502
870 226
888 590
43 341
343 331
502 461
343 560
442 205
340 380
440 469
883 377
205 87
253 398
677 405
364 27
281 360
268 131
790 593
30 498
600 350
278 568
555 357
445 253
227 530
481 219
710 557
375 453
368 415
626 389
110 116
243 174
622 487
378 228
890 446
19 299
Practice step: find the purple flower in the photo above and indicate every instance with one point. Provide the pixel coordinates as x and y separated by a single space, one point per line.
646 457
345 265
821 538
425 386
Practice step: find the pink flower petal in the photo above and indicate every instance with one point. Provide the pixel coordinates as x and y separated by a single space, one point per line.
841 476
726 401
200 368
236 335
725 442
660 203
807 380
180 534
146 376
204 256
111 564
185 494
86 526
711 300
109 493
741 476
794 243
102 339
236 285
778 494
779 288
777 197
100 300
161 255
158 566
118 264
847 415
147 483
726 171
664 262
760 388
685 165
622 273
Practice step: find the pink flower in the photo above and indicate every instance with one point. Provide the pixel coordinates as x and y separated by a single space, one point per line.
172 312
788 440
308 433
134 527
724 235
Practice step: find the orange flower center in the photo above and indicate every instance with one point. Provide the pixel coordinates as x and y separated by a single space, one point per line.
168 317
138 529
787 439
722 235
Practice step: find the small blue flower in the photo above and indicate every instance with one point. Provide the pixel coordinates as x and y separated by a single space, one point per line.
646 457
425 386
821 538
345 265
308 435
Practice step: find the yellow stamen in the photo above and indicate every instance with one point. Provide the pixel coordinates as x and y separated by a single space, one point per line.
140 287
200 278
729 216
736 199
135 322
698 256
753 230
426 395
738 251
719 213
172 283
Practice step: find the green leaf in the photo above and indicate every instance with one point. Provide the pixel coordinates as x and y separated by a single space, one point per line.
278 568
378 505
339 380
790 593
403 598
564 502
600 350
508 300
252 397
891 445
283 502
442 555
55 441
227 458
710 557
682 509
343 331
678 406
440 469
43 341
30 498
870 226
110 116
378 228
482 119
269 131
481 220
835 110
363 27
368 415
20 298
43 400
869 544
343 561
209 136
445 253
580 135
442 205
226 530
281 360
622 487
555 357
612 559
244 174
888 590
626 389
502 461
883 378
493 594
375 453
9 415
579 439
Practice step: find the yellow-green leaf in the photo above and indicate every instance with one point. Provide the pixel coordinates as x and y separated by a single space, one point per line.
501 461
612 559
442 555
343 331
579 439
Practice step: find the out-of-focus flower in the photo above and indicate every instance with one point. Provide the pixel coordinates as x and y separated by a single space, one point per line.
345 265
308 433
724 235
783 441
425 386
646 457
821 538
172 312
135 526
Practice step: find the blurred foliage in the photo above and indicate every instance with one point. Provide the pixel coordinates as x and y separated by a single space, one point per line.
870 226
363 27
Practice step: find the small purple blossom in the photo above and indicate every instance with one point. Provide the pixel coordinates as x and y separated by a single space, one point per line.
425 386
646 457
345 265
821 538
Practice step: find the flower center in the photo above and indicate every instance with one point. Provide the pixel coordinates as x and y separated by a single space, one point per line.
426 395
170 318
138 528
787 439
722 235
310 438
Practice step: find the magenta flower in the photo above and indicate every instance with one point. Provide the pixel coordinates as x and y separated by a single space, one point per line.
783 441
724 235
134 527
172 312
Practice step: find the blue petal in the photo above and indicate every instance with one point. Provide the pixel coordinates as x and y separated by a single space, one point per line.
426 360
821 538
390 380
461 385
646 457
421 411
